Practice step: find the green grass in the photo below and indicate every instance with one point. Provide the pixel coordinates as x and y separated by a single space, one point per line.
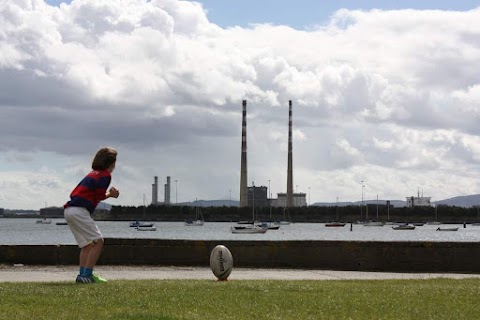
202 299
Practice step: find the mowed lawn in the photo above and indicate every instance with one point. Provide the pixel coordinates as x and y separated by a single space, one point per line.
241 299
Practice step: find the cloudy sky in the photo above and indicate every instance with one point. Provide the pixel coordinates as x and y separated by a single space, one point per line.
385 94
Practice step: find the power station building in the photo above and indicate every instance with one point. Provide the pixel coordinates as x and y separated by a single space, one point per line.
418 201
257 196
299 200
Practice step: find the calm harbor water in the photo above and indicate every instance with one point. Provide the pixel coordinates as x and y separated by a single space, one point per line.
26 231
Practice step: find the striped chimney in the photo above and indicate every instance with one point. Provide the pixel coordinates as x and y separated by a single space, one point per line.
290 165
243 165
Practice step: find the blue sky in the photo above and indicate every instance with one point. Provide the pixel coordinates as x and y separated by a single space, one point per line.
393 100
302 14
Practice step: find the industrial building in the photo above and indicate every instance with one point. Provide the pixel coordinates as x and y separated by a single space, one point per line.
419 201
299 200
257 196
252 196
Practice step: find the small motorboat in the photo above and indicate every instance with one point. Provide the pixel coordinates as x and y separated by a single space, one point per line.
268 226
43 221
335 224
149 228
447 229
403 227
137 224
61 223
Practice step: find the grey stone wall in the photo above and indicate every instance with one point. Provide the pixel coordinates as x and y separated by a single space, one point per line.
326 255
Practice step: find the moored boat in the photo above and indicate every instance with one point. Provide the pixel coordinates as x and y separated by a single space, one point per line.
249 229
404 227
194 223
268 226
335 224
198 221
137 224
447 229
150 228
43 221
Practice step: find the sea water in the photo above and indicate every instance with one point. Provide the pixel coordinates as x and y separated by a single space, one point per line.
27 231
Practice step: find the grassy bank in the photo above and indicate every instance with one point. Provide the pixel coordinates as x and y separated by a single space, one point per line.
186 299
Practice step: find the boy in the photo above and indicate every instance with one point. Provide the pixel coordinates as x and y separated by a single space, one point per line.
83 200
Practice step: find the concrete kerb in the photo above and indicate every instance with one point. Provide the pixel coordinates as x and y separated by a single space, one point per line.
38 273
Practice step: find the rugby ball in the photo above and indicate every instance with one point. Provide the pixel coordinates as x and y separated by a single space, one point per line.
221 262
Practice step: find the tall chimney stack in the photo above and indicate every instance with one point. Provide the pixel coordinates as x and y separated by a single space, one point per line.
167 192
155 191
243 165
290 165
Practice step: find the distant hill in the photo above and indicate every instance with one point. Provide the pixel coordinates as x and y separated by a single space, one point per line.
395 203
104 206
463 201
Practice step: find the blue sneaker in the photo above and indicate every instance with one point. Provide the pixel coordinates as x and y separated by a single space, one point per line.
81 279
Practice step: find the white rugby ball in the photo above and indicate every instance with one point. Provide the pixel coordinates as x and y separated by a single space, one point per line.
221 262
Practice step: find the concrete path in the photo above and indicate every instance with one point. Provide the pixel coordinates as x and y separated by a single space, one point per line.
22 273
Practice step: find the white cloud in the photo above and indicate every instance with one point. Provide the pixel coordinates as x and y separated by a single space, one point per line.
391 97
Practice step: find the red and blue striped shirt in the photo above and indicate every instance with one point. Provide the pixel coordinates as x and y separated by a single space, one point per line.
90 191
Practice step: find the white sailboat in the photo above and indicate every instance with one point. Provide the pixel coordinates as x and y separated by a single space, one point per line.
43 221
198 218
284 221
249 228
335 224
436 222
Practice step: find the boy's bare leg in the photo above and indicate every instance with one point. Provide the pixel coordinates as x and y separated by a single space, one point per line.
84 253
93 253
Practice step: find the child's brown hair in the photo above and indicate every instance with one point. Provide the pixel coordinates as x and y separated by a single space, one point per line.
104 158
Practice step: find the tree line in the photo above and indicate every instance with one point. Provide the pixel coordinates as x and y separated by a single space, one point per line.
370 212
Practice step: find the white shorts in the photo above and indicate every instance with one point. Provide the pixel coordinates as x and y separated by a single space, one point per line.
82 225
